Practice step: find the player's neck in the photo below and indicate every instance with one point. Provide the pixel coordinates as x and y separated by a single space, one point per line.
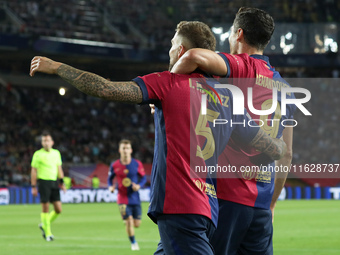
245 48
47 149
125 161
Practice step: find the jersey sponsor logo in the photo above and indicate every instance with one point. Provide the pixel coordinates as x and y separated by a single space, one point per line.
126 182
207 188
264 176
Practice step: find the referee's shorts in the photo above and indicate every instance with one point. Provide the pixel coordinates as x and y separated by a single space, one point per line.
48 191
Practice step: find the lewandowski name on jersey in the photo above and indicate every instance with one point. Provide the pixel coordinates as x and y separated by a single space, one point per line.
275 111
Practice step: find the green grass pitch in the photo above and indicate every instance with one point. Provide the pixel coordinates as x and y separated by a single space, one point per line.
301 227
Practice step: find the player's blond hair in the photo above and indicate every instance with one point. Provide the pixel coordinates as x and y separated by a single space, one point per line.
198 34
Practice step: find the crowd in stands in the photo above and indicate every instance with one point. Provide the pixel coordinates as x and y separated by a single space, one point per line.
62 18
154 20
86 130
317 137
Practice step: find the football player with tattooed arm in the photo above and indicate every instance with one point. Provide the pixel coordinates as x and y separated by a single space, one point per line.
185 213
250 34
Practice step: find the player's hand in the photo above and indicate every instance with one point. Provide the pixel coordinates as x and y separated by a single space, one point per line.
111 189
152 106
43 65
135 187
34 191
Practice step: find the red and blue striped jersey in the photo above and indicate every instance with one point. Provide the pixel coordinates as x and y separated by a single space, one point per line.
181 143
126 175
253 189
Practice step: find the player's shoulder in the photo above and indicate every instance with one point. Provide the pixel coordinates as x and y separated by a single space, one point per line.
38 152
243 56
115 163
239 60
137 161
163 74
176 78
55 151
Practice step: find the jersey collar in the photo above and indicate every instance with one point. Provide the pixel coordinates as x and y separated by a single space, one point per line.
263 57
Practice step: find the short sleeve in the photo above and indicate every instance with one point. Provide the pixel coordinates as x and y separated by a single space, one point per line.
238 65
224 56
141 170
59 159
111 174
154 86
34 162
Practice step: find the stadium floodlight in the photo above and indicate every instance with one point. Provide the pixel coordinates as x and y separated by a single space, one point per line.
62 91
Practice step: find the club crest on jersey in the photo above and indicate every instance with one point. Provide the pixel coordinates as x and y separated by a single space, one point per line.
126 182
248 175
126 171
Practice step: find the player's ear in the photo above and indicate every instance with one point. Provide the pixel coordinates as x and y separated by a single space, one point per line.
181 51
240 35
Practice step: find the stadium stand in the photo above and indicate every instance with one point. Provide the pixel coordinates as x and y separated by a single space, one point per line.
68 19
148 23
85 130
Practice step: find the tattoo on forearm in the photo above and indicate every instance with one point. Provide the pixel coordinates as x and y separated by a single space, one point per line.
97 86
272 147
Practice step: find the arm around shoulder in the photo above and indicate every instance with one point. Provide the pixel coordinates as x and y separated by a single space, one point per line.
275 148
206 60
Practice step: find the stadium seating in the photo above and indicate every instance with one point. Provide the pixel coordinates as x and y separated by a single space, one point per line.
149 23
85 130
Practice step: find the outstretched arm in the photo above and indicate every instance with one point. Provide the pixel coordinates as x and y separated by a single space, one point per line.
206 60
89 83
273 147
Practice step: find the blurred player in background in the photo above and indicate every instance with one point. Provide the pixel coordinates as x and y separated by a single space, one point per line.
130 176
244 225
185 208
46 169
